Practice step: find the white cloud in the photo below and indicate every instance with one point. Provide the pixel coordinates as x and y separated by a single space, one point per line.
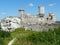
52 4
31 4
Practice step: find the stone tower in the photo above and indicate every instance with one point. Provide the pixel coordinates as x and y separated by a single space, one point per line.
21 11
52 17
41 11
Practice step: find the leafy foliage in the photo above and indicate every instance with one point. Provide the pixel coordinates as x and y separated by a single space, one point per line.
28 37
50 37
1 41
4 36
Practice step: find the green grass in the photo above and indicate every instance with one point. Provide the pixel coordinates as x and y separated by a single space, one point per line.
5 37
28 37
51 37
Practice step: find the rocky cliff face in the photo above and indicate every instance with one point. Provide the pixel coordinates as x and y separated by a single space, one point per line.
9 23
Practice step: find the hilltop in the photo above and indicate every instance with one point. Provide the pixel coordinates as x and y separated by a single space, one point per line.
28 37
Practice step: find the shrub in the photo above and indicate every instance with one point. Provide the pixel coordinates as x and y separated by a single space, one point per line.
1 41
4 34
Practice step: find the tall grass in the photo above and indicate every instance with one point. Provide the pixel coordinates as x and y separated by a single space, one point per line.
51 37
4 37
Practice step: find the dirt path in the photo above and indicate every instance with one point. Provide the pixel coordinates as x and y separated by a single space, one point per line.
11 42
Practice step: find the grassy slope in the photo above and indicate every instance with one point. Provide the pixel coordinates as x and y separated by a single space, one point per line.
5 37
36 38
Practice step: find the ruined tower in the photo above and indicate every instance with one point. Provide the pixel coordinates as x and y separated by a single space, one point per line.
41 11
52 17
21 13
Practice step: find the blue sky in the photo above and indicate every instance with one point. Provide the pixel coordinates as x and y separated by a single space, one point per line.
11 7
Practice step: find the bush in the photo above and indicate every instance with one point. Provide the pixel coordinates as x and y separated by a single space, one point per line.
1 41
4 34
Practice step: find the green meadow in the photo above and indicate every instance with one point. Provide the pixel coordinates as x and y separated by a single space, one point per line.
28 37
